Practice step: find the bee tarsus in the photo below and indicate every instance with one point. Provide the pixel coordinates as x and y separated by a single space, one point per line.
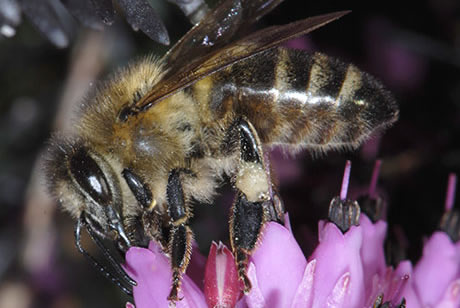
246 223
181 236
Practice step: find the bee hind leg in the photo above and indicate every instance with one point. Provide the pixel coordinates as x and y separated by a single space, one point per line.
246 221
256 201
181 236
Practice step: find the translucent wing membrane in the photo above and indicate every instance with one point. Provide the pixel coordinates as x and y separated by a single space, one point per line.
228 55
218 28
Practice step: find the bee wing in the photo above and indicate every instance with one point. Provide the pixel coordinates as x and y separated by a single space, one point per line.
249 46
217 29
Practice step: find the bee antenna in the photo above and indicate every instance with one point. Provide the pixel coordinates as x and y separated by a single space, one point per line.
102 269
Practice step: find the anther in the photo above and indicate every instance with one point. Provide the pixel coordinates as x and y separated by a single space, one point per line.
344 212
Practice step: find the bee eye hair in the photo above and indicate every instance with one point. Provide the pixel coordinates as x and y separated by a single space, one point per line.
55 162
80 179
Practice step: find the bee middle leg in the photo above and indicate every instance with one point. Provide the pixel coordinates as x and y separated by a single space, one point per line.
181 236
256 201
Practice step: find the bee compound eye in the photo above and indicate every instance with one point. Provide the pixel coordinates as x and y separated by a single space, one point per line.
90 177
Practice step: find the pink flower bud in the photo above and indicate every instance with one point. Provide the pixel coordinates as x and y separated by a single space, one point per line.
221 284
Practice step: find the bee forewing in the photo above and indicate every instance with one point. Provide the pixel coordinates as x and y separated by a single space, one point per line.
219 27
229 55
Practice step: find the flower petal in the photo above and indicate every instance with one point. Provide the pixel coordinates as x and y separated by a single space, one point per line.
279 263
372 253
303 296
337 254
255 299
341 290
151 270
451 298
437 269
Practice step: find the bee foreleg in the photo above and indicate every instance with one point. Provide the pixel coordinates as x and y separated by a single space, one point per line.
181 236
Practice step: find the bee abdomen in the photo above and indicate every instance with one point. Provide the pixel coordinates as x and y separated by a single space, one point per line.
338 105
292 97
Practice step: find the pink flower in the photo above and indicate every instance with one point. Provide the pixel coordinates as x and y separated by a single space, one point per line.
276 269
222 287
437 274
347 269
151 270
340 273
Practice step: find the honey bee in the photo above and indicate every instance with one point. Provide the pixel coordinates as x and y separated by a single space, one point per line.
163 133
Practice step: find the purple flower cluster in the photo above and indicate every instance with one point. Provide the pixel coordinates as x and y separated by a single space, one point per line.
347 269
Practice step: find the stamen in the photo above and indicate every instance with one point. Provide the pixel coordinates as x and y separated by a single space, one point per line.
345 181
450 194
398 290
374 179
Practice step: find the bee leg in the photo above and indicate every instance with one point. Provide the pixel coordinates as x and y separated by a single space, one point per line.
254 202
181 236
275 208
252 177
246 221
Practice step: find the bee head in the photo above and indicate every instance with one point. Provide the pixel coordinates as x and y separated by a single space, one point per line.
87 187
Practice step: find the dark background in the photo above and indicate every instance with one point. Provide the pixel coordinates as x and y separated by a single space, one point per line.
415 51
